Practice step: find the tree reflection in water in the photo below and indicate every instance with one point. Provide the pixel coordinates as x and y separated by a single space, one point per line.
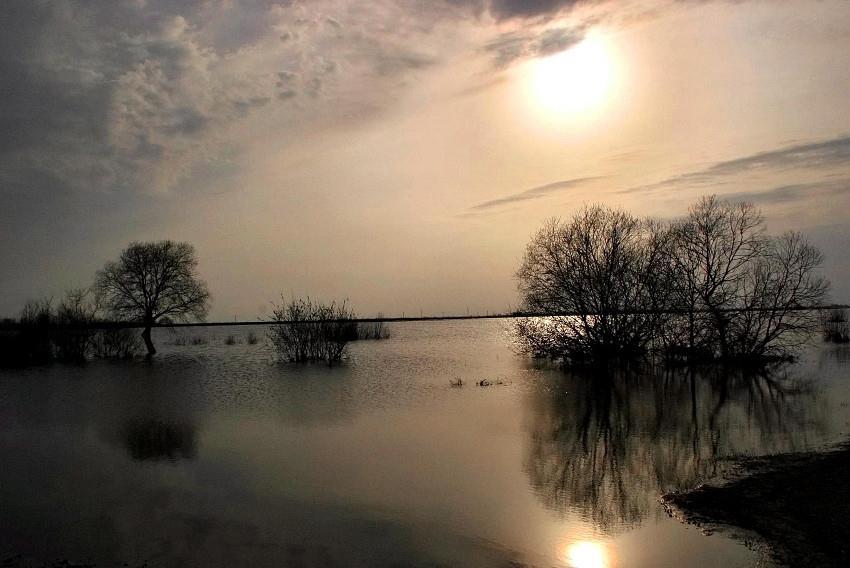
156 439
606 445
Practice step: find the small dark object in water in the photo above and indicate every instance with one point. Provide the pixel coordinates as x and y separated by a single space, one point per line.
456 383
489 383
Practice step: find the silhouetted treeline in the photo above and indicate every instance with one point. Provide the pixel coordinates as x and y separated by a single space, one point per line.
67 332
710 286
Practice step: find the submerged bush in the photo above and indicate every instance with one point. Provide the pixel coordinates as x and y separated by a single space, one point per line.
370 330
73 332
836 326
74 335
34 340
117 343
230 340
252 338
307 330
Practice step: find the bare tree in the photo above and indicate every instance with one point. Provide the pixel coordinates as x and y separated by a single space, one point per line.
151 281
603 272
742 290
75 316
712 285
716 245
769 321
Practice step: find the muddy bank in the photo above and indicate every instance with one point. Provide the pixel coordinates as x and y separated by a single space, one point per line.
798 504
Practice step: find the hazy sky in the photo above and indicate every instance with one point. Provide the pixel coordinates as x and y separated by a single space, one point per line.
400 153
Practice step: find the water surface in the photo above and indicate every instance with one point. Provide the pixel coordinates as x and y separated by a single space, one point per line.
216 455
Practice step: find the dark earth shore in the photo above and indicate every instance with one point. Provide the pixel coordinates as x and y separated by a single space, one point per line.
798 504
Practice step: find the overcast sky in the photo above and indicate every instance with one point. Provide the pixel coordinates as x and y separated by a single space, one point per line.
400 153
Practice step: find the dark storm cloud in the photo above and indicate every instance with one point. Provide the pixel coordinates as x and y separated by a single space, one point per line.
815 155
534 193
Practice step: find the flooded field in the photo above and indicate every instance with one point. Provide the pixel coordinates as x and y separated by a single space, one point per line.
216 455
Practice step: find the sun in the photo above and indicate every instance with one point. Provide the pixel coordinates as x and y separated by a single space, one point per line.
574 82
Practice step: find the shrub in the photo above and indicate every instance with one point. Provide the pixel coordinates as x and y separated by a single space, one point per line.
307 330
230 340
74 333
836 327
34 344
372 330
117 343
252 338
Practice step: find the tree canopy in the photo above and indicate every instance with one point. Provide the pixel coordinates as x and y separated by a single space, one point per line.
153 280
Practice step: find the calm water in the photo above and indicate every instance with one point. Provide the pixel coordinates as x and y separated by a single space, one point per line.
214 455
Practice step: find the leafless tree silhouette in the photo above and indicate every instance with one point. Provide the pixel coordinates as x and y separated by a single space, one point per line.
75 316
714 247
607 268
151 281
712 285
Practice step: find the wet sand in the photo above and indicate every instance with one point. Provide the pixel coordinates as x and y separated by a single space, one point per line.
798 505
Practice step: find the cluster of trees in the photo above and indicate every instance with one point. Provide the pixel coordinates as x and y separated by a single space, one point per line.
711 285
71 331
148 283
157 282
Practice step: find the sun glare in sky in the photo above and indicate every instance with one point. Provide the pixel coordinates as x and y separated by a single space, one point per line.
574 82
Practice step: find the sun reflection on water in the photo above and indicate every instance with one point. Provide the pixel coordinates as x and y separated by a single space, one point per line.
586 554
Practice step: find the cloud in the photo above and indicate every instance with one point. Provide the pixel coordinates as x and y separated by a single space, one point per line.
511 47
795 193
533 193
517 9
505 9
128 96
814 155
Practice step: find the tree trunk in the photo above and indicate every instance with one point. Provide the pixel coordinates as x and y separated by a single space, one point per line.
146 335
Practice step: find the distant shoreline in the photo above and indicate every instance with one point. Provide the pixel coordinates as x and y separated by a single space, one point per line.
402 319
